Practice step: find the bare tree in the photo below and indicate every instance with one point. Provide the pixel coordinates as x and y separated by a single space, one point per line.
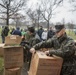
63 21
73 3
48 8
17 17
38 16
35 16
10 7
32 15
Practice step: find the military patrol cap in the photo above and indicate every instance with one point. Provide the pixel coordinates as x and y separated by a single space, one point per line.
59 27
31 28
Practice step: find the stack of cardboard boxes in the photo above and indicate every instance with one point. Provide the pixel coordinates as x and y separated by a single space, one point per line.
13 60
13 55
42 64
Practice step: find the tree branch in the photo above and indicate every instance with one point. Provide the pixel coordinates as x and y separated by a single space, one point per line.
2 5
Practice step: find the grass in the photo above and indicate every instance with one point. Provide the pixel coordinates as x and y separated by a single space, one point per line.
71 34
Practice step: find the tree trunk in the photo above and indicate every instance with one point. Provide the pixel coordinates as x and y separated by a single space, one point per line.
16 24
7 20
47 25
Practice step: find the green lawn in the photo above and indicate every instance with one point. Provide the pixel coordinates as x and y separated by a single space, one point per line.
71 34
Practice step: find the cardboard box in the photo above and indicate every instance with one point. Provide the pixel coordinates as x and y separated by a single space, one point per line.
13 71
45 65
13 39
1 50
13 56
45 49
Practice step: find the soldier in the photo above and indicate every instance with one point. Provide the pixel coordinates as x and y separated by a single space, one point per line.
63 46
4 33
33 39
51 33
17 32
40 31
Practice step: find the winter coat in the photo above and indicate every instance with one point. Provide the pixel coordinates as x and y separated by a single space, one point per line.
63 47
16 32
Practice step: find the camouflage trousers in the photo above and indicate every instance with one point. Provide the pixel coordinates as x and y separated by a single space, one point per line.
69 67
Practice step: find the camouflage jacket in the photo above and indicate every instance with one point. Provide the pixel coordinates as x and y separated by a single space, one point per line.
32 41
63 47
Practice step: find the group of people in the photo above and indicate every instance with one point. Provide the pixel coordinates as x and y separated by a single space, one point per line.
45 34
6 31
63 46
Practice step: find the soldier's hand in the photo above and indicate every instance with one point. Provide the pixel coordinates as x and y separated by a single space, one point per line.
32 50
47 52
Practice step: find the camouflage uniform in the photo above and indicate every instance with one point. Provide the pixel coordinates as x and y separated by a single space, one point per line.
63 47
32 41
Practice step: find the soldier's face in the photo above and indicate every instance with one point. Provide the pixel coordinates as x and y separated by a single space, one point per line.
60 33
29 33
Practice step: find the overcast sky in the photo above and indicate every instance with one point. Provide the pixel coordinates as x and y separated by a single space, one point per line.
63 13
